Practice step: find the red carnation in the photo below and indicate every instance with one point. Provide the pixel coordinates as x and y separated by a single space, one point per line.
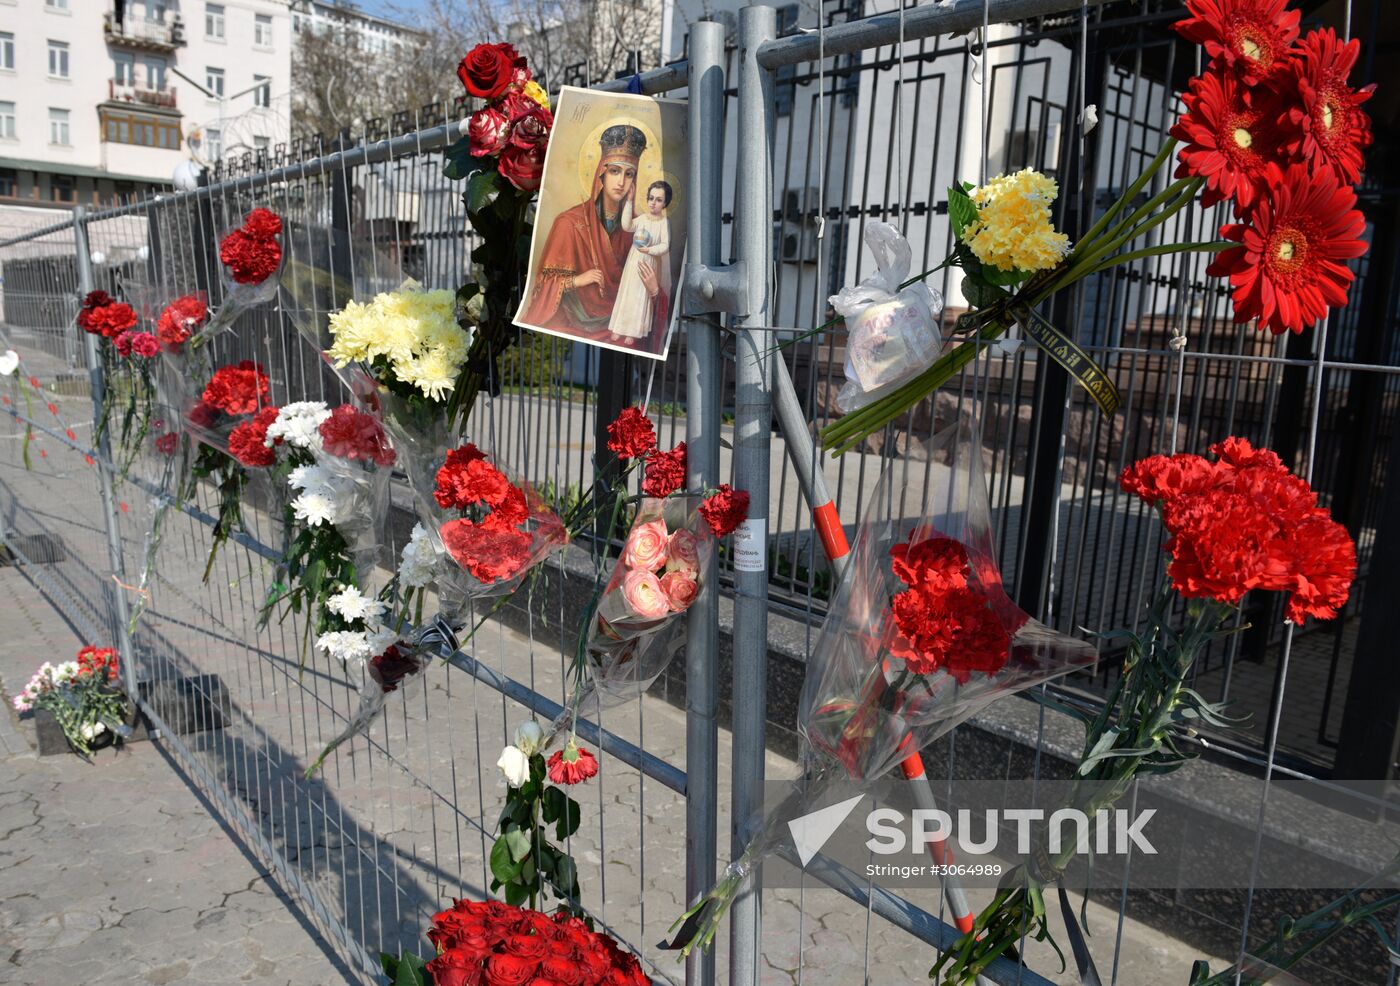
122 344
939 563
665 472
248 441
1160 477
1229 135
167 443
142 344
240 389
572 765
352 434
488 69
179 320
1251 37
262 224
725 509
1291 262
1328 126
100 315
489 553
249 259
631 435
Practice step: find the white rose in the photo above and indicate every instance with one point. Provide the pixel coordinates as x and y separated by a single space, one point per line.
515 765
528 737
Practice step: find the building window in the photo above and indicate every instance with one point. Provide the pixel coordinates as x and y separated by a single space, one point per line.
262 30
7 50
296 23
9 183
58 126
155 11
214 144
262 96
214 21
62 188
214 81
56 4
58 59
123 69
7 120
155 74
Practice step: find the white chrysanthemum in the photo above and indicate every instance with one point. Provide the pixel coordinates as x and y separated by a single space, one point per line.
418 561
299 424
345 645
308 477
314 509
352 604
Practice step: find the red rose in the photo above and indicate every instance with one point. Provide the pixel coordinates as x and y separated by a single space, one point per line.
531 128
510 970
725 509
488 68
665 472
564 971
487 132
522 167
455 968
631 435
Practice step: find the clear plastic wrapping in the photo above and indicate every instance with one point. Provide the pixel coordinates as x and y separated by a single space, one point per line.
892 331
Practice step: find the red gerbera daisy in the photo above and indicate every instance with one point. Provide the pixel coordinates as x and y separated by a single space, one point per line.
1328 126
1229 134
1249 36
1291 262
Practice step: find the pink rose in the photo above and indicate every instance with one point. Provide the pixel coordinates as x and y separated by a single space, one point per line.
646 546
684 553
644 594
487 132
680 590
531 128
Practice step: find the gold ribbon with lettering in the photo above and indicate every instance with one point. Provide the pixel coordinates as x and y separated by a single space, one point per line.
1077 363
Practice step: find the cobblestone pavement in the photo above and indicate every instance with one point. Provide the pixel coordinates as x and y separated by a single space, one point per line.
115 871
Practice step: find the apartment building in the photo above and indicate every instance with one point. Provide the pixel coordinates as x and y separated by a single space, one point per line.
101 100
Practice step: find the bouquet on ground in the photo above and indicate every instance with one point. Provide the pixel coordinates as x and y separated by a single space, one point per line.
500 161
1240 522
1271 127
919 637
80 695
495 943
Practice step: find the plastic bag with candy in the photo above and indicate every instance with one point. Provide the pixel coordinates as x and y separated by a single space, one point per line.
892 332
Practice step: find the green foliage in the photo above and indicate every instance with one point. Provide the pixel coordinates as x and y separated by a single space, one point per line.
405 970
229 480
524 863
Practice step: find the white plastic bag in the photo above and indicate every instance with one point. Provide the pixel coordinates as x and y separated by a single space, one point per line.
892 334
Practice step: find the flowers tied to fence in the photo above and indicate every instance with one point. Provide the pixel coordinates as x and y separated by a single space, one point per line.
920 635
1271 128
1237 523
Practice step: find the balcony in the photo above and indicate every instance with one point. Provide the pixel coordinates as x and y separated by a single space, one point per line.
120 92
132 31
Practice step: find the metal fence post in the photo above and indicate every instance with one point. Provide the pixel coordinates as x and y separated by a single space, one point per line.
98 385
753 444
702 424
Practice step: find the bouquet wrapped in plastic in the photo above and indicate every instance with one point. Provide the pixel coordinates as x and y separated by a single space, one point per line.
919 637
251 256
635 629
396 667
892 330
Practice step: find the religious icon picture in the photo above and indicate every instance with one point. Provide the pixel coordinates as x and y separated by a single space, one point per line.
609 240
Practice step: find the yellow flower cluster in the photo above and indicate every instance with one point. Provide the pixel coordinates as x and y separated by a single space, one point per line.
536 92
415 332
1013 230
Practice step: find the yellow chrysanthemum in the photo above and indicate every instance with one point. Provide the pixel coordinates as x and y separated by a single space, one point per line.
413 330
1013 230
536 92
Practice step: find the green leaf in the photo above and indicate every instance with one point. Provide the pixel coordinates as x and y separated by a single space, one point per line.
483 188
566 875
412 972
503 867
961 211
458 161
518 843
553 804
390 964
569 822
516 894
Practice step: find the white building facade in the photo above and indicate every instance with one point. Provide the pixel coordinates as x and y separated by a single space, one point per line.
100 100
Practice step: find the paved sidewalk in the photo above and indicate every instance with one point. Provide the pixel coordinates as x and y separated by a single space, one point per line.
116 872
